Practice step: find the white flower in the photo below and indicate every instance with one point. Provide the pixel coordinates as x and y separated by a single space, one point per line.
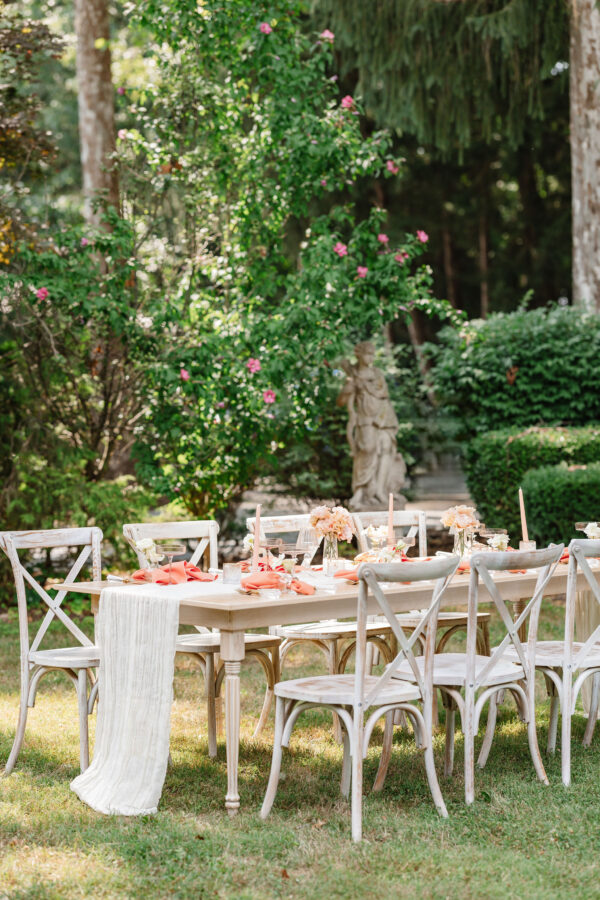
592 530
144 544
498 541
401 547
248 542
377 534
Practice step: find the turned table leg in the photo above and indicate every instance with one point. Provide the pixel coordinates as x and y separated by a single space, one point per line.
232 654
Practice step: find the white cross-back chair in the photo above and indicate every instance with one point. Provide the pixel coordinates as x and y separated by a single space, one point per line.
354 697
205 646
467 680
78 661
567 664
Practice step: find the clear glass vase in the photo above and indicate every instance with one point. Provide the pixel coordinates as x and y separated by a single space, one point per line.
330 554
463 542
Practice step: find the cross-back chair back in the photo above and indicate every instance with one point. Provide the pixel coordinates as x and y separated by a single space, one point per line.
482 566
275 526
76 662
580 551
90 541
412 522
205 531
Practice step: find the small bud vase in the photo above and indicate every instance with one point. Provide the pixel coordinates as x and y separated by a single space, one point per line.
330 554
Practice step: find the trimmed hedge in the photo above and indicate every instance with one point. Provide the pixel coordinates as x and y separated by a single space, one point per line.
529 367
496 463
559 496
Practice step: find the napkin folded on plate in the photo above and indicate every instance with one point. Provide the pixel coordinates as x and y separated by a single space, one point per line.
272 580
179 574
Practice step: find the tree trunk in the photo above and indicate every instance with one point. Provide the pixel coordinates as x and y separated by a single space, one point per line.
448 264
96 105
585 151
483 266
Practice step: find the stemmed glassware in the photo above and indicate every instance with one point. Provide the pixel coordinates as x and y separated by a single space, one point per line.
307 544
171 549
288 554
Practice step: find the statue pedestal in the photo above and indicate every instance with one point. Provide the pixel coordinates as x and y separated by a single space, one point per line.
372 504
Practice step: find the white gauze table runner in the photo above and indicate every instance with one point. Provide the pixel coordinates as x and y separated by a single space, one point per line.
136 631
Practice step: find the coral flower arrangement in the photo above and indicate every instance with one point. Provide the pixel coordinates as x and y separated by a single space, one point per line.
462 522
334 521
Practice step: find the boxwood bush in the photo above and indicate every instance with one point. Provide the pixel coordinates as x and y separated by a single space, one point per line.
529 367
496 463
559 496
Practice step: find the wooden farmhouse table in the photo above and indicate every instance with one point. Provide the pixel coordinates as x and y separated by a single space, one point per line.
234 613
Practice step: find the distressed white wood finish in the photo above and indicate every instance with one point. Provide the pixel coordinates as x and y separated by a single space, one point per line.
412 522
351 696
206 647
467 680
77 662
568 664
205 531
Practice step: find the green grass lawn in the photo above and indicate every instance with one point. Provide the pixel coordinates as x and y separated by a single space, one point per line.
519 840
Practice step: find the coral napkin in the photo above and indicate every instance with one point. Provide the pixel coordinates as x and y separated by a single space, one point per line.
260 580
348 574
301 587
179 574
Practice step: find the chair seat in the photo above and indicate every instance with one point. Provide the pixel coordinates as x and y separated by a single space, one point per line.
339 690
550 654
67 657
211 642
411 620
450 669
328 631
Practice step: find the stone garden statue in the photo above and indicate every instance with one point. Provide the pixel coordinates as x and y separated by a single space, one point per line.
378 468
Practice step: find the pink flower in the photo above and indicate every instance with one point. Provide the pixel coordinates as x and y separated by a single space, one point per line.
42 293
392 167
347 102
121 90
340 249
184 375
323 182
422 236
221 404
122 134
253 365
269 396
265 28
361 271
383 238
84 242
401 257
327 35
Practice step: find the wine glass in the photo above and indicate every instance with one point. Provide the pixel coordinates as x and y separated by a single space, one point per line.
308 544
171 549
285 551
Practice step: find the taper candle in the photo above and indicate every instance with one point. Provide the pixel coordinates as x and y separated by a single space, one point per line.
256 543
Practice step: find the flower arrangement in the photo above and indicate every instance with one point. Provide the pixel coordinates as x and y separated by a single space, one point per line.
334 521
377 535
460 518
462 522
498 542
147 547
248 544
592 530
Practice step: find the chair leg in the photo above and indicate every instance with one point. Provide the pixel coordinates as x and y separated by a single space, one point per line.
18 741
386 751
346 766
450 706
82 703
553 725
467 720
593 715
434 785
357 777
276 761
565 737
490 728
532 732
211 703
333 666
267 665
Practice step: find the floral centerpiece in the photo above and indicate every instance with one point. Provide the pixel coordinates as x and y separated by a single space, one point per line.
592 530
498 542
462 522
333 524
378 535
